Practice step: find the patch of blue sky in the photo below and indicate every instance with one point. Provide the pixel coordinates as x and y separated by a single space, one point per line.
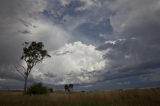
92 31
57 13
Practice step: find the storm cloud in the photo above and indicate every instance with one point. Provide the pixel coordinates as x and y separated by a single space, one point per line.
119 40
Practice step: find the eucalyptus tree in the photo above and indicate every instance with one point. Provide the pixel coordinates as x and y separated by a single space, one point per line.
33 53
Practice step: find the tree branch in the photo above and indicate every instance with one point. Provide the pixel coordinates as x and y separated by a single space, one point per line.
22 67
19 71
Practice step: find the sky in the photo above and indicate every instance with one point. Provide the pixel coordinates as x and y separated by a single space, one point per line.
94 44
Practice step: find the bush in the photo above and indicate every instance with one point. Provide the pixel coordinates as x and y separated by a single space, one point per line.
36 89
50 90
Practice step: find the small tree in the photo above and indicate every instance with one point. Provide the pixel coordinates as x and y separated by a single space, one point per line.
68 87
33 53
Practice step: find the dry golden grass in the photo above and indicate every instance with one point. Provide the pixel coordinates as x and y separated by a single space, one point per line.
135 97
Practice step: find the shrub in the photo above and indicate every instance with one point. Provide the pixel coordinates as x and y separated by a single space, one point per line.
50 90
36 89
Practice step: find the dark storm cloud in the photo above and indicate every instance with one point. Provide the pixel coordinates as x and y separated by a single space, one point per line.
13 25
85 24
139 70
128 32
11 20
134 49
25 32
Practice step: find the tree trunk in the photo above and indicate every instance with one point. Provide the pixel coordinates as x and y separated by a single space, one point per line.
25 84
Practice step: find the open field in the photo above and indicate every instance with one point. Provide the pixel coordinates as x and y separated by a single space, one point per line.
134 97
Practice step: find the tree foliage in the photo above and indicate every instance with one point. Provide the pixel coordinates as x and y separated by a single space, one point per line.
33 53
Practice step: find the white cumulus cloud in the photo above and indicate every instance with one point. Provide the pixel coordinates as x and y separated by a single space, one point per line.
73 63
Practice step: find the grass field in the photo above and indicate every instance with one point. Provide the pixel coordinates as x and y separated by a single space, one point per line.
134 97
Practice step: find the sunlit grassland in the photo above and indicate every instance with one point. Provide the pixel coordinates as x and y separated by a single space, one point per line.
134 97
